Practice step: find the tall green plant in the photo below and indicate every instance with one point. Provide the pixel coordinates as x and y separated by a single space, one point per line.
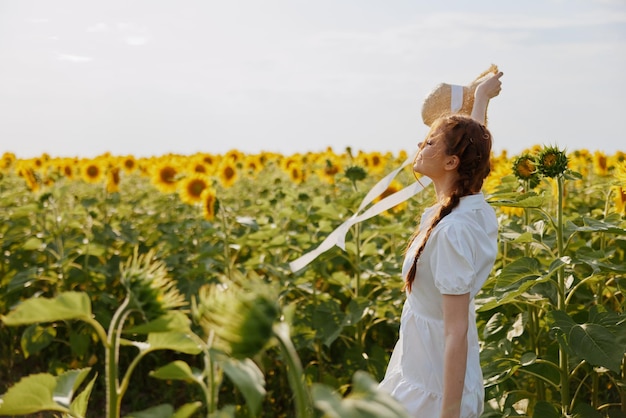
153 300
552 303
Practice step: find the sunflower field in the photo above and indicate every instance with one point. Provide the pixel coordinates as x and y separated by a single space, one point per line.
161 286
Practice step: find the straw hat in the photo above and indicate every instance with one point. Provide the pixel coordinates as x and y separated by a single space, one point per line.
450 98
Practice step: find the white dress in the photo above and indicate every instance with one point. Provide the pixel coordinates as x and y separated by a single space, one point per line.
457 259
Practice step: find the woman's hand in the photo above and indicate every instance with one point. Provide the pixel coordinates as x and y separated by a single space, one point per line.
488 87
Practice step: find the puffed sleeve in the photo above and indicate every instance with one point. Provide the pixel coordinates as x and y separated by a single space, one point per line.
452 259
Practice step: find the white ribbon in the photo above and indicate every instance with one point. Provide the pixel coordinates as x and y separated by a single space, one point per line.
456 98
338 236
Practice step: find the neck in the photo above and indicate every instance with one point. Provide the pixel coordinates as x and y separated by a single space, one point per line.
444 186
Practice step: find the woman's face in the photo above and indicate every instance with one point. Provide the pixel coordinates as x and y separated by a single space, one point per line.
431 157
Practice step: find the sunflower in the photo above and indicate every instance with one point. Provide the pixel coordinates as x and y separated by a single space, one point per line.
511 211
234 156
552 162
600 164
92 171
210 204
296 173
620 173
129 164
253 165
201 164
227 173
331 167
500 168
66 168
113 179
620 199
191 188
580 161
402 156
377 162
209 159
31 179
286 162
165 177
8 159
394 186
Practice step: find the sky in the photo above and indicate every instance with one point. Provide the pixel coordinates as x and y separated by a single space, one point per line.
150 77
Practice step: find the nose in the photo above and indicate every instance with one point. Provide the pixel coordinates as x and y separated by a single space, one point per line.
419 145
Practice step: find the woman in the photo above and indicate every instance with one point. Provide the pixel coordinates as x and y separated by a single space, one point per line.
434 370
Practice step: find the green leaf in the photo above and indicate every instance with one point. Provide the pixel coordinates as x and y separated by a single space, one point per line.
79 342
67 383
494 325
65 306
187 410
561 321
584 410
23 279
81 401
326 317
31 394
249 379
597 345
528 358
32 243
176 341
160 411
176 370
517 278
172 320
524 238
520 201
524 268
35 338
545 409
594 259
364 401
591 342
226 412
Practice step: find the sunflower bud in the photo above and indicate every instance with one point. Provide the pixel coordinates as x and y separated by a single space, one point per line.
525 169
149 288
552 162
241 319
356 173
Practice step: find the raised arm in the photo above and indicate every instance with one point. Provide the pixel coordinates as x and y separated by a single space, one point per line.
487 89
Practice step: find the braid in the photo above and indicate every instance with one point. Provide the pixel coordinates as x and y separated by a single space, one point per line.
471 142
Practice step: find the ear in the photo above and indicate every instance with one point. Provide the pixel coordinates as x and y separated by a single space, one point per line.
452 162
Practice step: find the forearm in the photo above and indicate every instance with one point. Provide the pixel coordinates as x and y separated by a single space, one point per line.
455 364
479 110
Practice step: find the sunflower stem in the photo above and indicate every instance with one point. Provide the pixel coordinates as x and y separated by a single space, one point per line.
304 404
561 301
226 245
357 278
113 396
